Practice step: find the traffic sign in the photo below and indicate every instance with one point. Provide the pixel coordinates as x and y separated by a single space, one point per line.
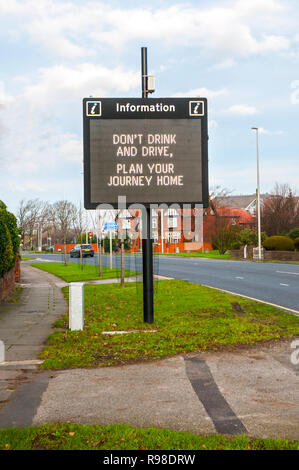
110 226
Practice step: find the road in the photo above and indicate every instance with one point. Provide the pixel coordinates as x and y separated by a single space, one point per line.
275 283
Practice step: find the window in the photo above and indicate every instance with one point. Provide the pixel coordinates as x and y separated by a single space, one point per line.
172 222
172 212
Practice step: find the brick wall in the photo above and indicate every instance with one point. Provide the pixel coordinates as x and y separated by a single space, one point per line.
282 255
275 255
7 282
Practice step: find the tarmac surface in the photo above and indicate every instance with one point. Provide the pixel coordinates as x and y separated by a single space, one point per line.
253 390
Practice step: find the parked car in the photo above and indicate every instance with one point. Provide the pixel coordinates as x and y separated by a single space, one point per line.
87 250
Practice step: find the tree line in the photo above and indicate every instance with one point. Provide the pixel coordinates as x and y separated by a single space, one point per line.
43 223
66 222
279 222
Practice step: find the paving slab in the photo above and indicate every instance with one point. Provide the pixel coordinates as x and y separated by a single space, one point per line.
26 324
153 394
248 392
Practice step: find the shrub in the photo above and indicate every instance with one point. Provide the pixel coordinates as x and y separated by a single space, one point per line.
11 223
296 243
225 238
9 239
293 234
279 243
106 243
247 236
7 257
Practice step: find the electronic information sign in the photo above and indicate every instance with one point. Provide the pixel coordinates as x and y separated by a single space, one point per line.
151 151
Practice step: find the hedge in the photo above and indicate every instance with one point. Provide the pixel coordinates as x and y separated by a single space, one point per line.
7 257
11 223
293 234
279 243
9 239
296 243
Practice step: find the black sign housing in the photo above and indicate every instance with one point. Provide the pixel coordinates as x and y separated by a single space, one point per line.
152 151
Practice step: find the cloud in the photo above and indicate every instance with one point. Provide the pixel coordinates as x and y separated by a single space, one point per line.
76 30
5 98
212 124
72 149
201 92
267 132
224 64
242 110
81 80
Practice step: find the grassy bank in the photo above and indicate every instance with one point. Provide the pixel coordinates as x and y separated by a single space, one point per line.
123 437
188 317
72 272
198 254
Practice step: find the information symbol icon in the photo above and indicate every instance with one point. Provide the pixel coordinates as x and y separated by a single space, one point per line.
93 108
196 108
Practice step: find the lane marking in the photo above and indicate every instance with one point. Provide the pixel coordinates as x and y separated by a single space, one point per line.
296 312
287 285
287 272
239 277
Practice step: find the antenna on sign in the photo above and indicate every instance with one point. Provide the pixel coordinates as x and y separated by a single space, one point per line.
148 81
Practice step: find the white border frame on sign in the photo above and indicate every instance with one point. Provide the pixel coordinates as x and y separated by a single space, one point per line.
94 102
197 114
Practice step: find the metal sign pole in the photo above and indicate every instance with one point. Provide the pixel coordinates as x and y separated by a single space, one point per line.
147 243
110 249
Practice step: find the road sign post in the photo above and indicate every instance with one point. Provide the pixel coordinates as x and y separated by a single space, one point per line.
110 248
147 242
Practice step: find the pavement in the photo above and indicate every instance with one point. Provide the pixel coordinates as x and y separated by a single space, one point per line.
252 390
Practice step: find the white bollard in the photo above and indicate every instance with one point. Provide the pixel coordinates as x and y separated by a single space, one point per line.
2 352
76 306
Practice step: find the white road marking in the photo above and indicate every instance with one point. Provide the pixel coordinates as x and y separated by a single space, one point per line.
287 285
239 277
287 272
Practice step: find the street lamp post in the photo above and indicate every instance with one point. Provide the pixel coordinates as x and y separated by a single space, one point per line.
258 194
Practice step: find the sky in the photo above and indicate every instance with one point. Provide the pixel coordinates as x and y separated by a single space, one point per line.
241 55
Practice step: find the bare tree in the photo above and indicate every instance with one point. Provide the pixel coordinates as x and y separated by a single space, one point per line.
79 225
217 196
280 211
64 216
30 213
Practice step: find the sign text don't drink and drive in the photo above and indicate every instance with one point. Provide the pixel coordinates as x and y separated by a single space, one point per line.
148 150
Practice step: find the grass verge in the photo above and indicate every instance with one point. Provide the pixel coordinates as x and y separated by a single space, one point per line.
198 254
124 437
188 317
72 272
